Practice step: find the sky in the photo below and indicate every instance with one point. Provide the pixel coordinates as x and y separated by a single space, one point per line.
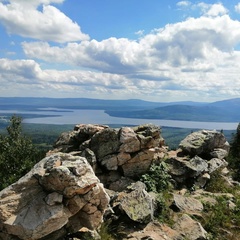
154 50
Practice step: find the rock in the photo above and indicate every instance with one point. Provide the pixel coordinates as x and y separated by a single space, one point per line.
104 143
181 169
202 180
127 152
90 156
219 153
155 231
137 204
66 142
190 229
129 141
59 195
186 204
203 142
216 163
121 184
149 135
139 163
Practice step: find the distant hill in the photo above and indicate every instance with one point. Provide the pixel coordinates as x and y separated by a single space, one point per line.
22 103
220 111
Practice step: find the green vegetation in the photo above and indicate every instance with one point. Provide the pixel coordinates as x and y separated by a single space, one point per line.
234 155
158 180
17 153
221 222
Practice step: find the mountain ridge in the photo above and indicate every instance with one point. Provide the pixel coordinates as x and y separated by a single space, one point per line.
219 111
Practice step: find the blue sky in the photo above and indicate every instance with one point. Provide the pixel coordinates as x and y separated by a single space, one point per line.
151 50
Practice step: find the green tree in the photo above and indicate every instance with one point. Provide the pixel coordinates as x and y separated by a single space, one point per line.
234 154
17 153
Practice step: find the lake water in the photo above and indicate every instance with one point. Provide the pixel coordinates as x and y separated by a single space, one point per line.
67 116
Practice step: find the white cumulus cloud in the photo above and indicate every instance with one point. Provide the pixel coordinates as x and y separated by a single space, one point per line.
25 19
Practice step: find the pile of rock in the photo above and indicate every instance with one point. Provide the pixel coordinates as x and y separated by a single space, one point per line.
93 174
114 154
199 155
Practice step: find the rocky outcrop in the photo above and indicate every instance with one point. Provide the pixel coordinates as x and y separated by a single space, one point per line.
204 143
59 195
92 175
125 152
199 155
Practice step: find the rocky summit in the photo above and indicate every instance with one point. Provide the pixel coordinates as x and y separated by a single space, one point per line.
94 177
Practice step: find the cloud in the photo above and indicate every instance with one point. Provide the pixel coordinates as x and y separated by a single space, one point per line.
212 10
183 4
140 32
25 19
27 70
237 8
185 60
183 44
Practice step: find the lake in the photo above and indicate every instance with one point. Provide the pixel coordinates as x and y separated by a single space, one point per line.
69 116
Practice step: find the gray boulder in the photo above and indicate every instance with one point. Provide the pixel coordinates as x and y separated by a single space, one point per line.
182 169
204 142
59 195
137 204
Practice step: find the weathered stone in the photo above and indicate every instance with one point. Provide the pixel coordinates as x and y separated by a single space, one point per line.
110 162
149 135
202 180
66 179
155 231
121 184
139 164
90 156
129 141
123 157
138 205
216 163
190 228
66 142
203 143
105 142
108 178
186 204
180 169
52 199
219 153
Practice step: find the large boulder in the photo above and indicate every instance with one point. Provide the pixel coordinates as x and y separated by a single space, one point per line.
190 228
204 143
136 203
185 170
59 195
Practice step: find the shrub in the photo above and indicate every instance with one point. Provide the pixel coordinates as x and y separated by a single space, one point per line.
220 221
157 179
